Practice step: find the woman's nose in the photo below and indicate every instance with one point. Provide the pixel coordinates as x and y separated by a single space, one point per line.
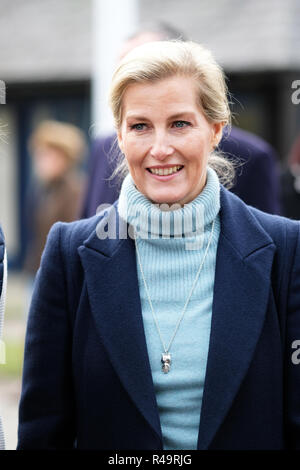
161 147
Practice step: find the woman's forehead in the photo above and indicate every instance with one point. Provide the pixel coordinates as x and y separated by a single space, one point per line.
176 93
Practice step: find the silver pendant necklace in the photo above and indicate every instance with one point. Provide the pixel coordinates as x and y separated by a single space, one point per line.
166 356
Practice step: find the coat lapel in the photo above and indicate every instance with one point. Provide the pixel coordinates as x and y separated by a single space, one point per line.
242 283
112 284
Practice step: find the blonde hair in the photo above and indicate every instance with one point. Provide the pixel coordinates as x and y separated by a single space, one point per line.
61 135
159 60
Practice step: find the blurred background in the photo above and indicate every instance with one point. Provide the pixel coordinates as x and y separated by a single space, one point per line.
56 60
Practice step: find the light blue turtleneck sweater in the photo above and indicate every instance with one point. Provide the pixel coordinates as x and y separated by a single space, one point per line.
171 252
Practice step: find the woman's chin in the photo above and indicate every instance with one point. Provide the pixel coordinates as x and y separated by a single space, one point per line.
165 199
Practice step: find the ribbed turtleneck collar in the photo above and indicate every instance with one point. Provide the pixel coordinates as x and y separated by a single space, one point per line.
150 221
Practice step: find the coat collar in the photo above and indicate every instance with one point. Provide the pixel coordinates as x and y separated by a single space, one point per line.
242 280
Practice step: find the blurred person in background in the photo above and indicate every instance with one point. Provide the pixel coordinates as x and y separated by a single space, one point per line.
290 184
55 194
257 175
3 280
169 320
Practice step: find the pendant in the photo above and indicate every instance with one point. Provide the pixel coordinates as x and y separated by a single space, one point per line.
166 362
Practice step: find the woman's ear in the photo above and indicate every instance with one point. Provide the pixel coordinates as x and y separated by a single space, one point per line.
217 133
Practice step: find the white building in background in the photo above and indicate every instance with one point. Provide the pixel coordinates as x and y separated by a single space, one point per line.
52 39
47 64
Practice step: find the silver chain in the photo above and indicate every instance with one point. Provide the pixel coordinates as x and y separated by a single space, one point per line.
188 298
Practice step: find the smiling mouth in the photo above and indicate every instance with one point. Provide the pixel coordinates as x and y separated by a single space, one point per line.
165 171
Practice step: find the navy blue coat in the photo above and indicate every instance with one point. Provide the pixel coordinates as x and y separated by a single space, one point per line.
87 380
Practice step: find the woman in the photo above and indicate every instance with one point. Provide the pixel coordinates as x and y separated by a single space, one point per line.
57 149
169 320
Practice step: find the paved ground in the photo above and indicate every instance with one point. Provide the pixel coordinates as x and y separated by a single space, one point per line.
10 393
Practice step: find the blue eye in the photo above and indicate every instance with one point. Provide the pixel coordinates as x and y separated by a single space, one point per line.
138 127
180 124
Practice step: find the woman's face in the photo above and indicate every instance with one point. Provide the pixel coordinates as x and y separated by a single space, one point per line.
166 139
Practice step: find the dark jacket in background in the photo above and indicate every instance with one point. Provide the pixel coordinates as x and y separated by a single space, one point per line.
257 178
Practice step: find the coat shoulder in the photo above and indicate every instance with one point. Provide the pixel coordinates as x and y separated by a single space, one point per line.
73 234
275 225
284 232
248 228
271 223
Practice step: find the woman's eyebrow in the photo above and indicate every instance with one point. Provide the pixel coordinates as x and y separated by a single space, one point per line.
139 117
181 114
